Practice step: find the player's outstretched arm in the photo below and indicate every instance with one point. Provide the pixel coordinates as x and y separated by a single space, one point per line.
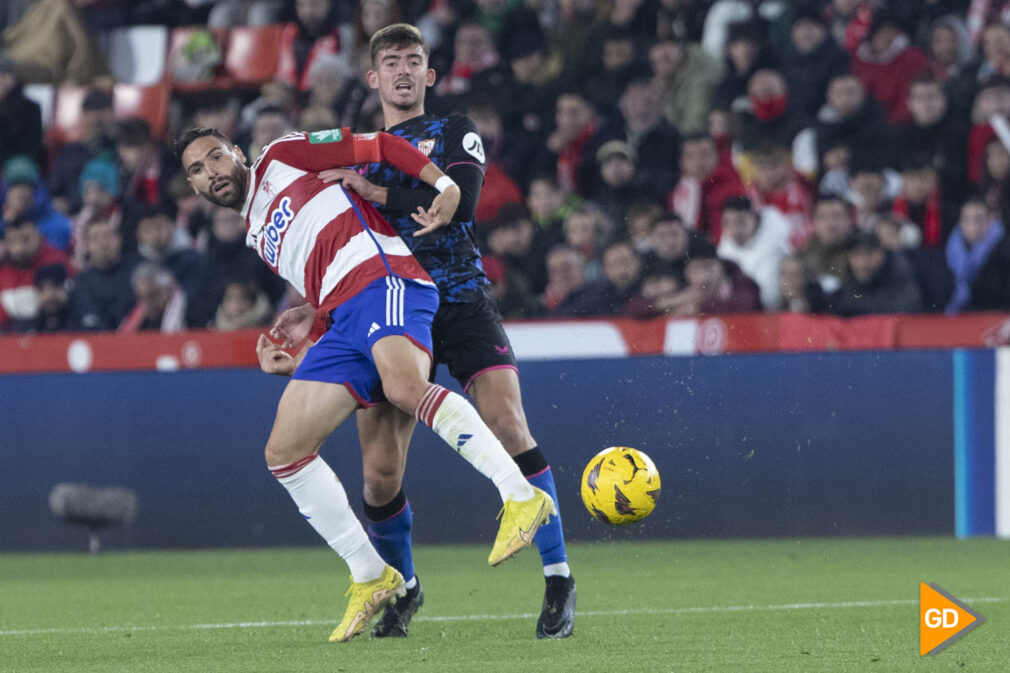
438 214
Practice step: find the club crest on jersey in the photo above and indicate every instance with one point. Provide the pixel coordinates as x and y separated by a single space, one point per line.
426 146
269 188
279 220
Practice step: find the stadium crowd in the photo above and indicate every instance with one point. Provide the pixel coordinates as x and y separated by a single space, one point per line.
644 157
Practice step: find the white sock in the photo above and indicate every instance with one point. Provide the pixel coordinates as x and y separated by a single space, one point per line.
561 569
458 423
322 501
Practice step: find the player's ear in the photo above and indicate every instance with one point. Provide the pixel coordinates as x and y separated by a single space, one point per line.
372 78
239 154
429 78
192 186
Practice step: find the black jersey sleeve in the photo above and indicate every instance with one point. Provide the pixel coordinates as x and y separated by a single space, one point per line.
462 159
469 179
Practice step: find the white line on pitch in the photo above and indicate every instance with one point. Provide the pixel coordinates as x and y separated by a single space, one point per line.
468 618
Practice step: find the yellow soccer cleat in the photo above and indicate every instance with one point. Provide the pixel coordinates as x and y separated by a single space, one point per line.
519 523
367 601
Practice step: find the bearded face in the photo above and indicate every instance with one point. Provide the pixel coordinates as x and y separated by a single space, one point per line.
216 171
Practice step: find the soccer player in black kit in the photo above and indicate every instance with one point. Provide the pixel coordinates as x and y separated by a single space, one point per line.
467 330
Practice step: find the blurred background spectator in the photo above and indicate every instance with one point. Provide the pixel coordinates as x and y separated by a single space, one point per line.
26 251
875 281
103 294
160 305
20 117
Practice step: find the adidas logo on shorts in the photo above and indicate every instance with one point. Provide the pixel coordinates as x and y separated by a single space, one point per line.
371 330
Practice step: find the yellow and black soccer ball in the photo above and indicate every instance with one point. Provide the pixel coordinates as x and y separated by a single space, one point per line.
620 485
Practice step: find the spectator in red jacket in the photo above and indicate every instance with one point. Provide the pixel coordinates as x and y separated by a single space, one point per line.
707 179
315 32
575 124
848 21
499 189
993 98
27 251
886 63
775 183
920 199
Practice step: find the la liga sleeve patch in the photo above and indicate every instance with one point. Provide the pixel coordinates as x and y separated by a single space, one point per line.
473 146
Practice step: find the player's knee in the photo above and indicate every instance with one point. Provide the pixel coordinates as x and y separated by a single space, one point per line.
404 394
273 455
510 428
381 486
281 453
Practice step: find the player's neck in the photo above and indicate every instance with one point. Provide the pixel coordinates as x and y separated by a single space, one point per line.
392 116
248 188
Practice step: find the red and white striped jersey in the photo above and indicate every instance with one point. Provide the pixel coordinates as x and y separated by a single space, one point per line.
327 242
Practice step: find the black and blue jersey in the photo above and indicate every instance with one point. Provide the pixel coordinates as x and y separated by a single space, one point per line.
449 254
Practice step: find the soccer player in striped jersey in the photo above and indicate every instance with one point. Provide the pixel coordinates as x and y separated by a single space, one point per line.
351 266
467 329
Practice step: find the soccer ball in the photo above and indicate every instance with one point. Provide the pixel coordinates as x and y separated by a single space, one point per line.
620 485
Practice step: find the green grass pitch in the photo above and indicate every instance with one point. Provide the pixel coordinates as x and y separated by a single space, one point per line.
778 605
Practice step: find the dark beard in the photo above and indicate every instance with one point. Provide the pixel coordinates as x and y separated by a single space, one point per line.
240 180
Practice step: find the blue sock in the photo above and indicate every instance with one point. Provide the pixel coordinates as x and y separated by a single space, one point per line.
389 531
550 538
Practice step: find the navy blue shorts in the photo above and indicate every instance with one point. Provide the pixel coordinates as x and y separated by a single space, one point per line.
343 355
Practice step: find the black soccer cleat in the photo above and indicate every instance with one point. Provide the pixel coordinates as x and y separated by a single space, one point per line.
557 616
396 617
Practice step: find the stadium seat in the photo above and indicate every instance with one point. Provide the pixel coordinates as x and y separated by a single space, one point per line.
150 103
66 126
179 38
252 53
137 55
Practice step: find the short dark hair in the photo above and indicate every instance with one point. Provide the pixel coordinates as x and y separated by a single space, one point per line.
396 36
862 240
926 78
738 203
21 221
976 200
186 138
769 149
668 216
698 136
133 132
916 161
88 224
550 177
832 198
152 210
271 109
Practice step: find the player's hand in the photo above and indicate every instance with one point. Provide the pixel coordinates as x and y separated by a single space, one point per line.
273 359
293 326
439 213
352 180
